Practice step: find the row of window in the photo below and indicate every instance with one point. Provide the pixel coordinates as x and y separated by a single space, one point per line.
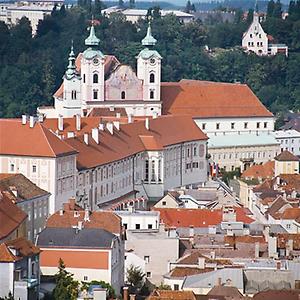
258 44
122 96
96 78
12 168
251 35
232 125
262 154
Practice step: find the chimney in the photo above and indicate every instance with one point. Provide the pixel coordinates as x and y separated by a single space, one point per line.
117 125
256 250
219 281
201 262
129 118
147 124
125 293
60 122
213 255
61 212
86 138
101 126
191 231
95 135
41 118
118 115
31 121
155 114
13 189
78 122
86 215
110 127
24 119
79 225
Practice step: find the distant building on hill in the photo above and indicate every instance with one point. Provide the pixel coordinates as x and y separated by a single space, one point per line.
256 40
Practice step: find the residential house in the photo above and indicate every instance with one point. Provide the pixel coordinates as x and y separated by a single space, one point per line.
19 269
289 140
286 163
13 219
170 200
30 198
88 253
156 247
50 163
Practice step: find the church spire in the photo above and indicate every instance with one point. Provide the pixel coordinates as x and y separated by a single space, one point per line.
71 69
92 40
149 40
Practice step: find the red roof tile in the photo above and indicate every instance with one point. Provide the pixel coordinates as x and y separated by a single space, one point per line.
176 217
11 216
18 139
5 254
265 170
205 99
166 131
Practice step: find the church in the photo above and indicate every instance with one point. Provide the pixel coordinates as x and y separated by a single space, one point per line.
240 128
96 81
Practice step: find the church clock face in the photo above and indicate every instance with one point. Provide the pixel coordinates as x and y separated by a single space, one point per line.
96 61
152 61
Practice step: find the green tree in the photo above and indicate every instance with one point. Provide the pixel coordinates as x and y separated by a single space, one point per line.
277 12
66 287
188 6
131 3
270 8
135 277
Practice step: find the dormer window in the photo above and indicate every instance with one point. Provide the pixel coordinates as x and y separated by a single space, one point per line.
95 78
152 78
123 95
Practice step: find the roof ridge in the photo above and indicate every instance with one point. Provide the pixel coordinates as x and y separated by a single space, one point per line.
42 128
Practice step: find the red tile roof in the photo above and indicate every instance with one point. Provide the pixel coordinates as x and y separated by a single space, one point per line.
182 217
171 295
106 112
286 156
18 139
166 131
277 295
6 255
205 99
291 214
188 271
265 170
11 216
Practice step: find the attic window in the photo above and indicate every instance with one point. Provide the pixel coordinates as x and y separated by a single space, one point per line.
123 95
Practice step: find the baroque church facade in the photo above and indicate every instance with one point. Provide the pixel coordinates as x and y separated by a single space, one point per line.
94 80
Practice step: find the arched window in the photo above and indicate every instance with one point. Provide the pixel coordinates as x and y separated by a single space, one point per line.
152 78
123 95
151 94
95 78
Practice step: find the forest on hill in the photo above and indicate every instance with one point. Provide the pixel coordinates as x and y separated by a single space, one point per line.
31 68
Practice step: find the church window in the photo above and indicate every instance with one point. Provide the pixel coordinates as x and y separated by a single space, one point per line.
123 95
257 44
153 171
152 78
95 78
95 95
83 78
260 35
151 94
249 44
250 35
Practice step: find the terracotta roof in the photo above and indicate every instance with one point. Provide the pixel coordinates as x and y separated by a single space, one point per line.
11 216
192 259
176 217
188 271
106 112
25 188
18 139
166 131
5 254
110 63
286 156
97 219
291 214
244 239
171 295
283 238
278 203
205 99
24 247
277 295
265 170
227 291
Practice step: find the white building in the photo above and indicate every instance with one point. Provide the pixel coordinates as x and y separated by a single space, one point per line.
256 40
289 140
133 15
157 248
85 85
138 219
32 150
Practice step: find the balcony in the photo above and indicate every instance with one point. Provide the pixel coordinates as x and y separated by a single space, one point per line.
26 283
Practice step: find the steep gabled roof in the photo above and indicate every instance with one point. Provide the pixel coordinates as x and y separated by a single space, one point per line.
286 156
265 170
206 99
22 140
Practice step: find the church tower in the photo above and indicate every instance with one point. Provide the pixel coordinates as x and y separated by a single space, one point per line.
149 68
71 104
92 71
